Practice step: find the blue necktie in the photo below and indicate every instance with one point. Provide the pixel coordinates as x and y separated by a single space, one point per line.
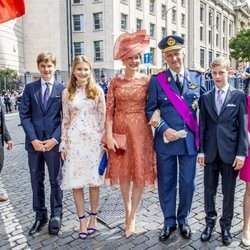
219 100
178 83
46 95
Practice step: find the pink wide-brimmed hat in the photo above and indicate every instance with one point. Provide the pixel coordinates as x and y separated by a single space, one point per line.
128 45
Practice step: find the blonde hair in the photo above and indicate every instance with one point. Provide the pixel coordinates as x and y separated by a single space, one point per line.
46 57
221 61
92 90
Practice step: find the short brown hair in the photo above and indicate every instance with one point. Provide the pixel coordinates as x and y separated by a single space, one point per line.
45 57
221 61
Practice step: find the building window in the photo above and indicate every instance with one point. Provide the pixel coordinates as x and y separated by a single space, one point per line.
217 40
124 19
173 32
138 4
224 43
210 57
209 36
98 50
173 15
217 21
201 34
163 32
77 1
152 30
202 13
78 22
183 2
138 24
202 58
163 11
224 25
230 29
210 18
78 48
152 54
183 19
183 36
217 54
98 17
152 6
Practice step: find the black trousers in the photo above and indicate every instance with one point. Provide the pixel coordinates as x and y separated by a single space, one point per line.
211 178
1 154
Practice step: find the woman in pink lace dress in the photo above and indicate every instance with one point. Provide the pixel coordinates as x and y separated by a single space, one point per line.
133 168
81 148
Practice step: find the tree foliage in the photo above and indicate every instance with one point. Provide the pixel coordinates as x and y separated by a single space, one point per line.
240 46
8 78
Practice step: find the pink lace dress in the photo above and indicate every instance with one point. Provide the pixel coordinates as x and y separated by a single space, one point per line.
82 129
126 109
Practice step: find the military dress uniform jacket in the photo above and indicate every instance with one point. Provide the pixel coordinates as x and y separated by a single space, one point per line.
193 88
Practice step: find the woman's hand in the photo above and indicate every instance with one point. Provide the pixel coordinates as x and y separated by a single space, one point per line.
112 144
64 155
155 119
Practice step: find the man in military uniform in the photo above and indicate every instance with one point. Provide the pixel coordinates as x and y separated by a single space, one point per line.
175 92
5 138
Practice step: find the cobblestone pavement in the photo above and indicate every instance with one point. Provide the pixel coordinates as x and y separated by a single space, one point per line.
16 215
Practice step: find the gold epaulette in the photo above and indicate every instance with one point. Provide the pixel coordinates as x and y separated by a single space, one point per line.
158 72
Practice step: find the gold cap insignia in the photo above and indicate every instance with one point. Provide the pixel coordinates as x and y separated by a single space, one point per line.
171 41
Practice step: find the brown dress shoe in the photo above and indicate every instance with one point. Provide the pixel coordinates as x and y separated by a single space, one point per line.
3 198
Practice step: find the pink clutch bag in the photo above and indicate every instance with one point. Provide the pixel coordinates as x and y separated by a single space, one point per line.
121 140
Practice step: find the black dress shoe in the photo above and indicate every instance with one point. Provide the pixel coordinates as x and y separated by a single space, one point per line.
166 232
185 231
206 234
37 226
55 224
226 237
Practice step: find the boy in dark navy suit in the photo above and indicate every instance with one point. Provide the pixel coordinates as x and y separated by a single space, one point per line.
40 114
175 92
223 146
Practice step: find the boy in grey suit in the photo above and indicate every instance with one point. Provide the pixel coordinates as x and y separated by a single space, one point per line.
223 146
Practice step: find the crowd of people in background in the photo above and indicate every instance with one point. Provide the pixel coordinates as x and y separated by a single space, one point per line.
65 127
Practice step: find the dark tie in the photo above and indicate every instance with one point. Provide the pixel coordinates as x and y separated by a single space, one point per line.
219 100
178 83
46 95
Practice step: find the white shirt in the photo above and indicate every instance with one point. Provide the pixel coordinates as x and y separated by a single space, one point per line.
44 86
181 75
223 94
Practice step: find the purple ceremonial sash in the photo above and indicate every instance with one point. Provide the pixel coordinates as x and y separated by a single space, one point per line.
181 106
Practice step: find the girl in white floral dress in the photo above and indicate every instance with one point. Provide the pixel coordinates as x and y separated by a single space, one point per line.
81 148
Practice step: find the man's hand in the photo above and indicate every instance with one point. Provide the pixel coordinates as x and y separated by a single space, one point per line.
201 161
38 145
9 145
238 164
171 134
49 144
64 155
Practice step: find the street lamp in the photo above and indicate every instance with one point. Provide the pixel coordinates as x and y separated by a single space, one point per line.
166 17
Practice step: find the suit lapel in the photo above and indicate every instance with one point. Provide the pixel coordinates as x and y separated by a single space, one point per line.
186 81
227 99
212 101
38 93
54 93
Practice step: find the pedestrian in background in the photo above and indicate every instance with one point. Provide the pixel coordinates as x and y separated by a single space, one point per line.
104 84
81 148
40 114
223 146
5 137
134 168
175 92
245 176
7 102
